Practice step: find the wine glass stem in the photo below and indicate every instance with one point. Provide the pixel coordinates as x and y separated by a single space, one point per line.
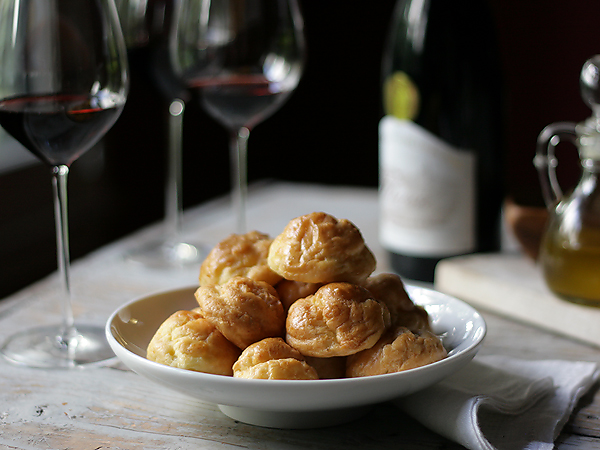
239 175
173 201
59 184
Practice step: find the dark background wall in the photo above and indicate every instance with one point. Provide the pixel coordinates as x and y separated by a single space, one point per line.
326 132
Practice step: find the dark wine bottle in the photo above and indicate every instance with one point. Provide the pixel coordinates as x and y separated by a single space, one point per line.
441 138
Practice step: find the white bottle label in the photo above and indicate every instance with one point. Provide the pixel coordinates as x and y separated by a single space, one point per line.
427 192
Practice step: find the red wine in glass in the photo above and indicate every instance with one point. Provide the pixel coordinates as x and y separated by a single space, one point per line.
57 128
240 100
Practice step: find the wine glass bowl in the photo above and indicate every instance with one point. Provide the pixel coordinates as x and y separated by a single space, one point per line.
64 84
244 58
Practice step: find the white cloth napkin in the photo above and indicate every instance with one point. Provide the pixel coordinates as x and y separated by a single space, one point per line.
503 403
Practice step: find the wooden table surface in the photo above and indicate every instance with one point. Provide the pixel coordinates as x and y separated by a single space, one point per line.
114 408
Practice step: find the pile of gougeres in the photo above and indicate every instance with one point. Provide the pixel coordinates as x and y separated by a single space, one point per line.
302 306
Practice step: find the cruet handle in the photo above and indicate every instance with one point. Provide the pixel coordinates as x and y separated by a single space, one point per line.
546 161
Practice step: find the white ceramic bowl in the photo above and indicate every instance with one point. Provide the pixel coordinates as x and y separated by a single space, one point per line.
292 403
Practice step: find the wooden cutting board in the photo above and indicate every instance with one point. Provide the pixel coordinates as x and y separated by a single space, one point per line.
512 285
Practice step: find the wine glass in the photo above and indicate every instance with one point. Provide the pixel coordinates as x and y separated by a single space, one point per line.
146 26
244 58
63 84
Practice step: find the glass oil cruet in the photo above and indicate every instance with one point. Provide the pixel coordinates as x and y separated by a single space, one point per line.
570 248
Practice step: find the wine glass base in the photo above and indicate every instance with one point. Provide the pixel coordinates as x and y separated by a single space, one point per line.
45 348
165 255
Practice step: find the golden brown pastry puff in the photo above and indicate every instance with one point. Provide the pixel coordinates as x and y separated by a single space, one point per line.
289 291
338 320
273 359
318 248
187 341
399 349
244 310
280 369
389 289
239 255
